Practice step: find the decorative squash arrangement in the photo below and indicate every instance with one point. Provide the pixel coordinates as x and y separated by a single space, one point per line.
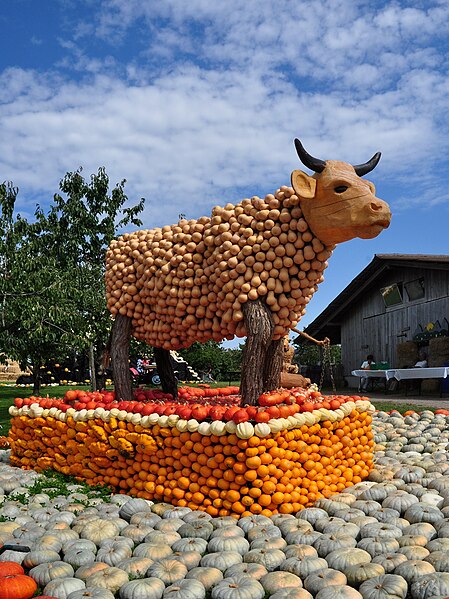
202 451
384 537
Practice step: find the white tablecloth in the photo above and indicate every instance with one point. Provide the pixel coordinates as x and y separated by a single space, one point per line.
370 374
401 374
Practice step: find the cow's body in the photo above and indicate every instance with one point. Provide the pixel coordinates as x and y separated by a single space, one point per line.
198 280
180 297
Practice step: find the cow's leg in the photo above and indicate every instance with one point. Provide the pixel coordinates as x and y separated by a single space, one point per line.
259 326
165 371
120 338
273 365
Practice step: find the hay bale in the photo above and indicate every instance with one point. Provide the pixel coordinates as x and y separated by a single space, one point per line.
438 351
406 354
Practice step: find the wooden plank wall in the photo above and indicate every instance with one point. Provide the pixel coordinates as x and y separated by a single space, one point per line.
367 327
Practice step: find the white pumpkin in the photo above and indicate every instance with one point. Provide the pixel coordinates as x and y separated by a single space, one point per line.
168 570
221 543
338 592
43 573
324 578
378 546
114 553
430 586
190 559
340 559
190 544
360 572
208 577
271 559
79 557
91 593
252 570
185 589
62 587
221 560
152 550
389 586
273 581
412 570
199 529
109 578
300 551
41 556
146 588
135 567
133 506
98 530
248 522
327 543
243 588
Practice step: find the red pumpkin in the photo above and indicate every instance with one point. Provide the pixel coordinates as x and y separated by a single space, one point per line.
7 568
17 586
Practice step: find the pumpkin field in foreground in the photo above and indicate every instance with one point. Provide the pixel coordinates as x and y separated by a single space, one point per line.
201 451
383 538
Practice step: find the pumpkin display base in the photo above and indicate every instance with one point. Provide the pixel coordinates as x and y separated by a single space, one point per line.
222 468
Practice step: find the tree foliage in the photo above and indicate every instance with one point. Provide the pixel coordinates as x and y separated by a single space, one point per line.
309 354
52 297
211 357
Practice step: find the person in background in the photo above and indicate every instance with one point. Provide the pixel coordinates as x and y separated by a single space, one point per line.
368 364
422 362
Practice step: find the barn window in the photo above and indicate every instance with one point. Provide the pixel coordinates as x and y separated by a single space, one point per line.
392 295
415 289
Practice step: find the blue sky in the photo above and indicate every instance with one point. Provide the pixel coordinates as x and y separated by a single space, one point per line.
197 103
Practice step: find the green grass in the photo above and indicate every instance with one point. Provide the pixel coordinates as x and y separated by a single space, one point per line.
387 406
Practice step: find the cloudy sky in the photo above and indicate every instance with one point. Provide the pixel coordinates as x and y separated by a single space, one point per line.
197 103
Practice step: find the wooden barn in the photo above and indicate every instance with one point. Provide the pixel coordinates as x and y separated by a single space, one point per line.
396 307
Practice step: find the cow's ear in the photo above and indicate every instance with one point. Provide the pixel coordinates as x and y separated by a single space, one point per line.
303 184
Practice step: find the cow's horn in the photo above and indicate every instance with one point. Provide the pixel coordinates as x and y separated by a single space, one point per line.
363 169
315 164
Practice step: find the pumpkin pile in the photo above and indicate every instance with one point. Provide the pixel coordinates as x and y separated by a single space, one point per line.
386 537
201 451
188 282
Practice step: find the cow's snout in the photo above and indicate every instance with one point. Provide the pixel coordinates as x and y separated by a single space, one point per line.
377 206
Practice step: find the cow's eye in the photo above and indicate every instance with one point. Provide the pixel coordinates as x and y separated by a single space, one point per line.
340 188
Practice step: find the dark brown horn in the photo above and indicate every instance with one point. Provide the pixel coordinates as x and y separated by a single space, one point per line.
315 164
363 169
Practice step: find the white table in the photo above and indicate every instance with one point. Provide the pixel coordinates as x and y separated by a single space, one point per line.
409 374
406 374
372 374
401 374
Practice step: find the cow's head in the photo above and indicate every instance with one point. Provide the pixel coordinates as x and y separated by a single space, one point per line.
337 204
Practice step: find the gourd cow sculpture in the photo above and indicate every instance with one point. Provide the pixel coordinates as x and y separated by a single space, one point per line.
248 270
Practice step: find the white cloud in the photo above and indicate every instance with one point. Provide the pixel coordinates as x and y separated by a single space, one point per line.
205 118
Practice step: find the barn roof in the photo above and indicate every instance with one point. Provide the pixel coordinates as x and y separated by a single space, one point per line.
328 323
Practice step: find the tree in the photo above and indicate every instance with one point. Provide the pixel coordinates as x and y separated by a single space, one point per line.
211 357
311 355
52 296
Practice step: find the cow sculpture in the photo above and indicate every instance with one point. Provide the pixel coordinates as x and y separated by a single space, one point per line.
248 270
